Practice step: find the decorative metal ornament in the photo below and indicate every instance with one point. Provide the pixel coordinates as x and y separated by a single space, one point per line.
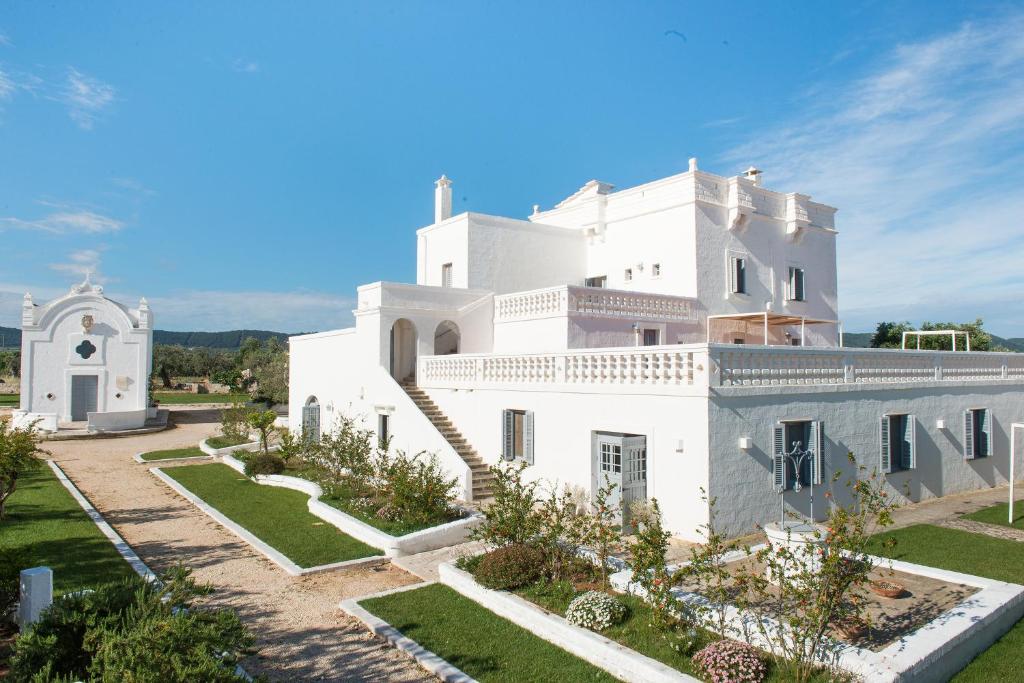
87 323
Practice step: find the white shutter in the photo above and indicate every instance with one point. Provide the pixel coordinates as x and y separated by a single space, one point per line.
732 275
969 453
986 429
778 457
910 439
508 429
816 445
528 436
884 451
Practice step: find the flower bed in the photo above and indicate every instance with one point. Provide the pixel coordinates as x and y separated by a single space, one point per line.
432 538
248 446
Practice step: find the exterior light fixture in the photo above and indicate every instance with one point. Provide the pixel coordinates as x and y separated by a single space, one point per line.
746 443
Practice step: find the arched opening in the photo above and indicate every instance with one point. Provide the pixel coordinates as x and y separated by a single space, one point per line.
311 420
446 338
403 349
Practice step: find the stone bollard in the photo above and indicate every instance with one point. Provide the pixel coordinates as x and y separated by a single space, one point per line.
36 594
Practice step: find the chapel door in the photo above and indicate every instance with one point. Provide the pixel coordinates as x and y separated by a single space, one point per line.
84 394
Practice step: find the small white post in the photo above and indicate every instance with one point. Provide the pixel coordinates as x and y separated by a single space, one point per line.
36 594
766 328
803 328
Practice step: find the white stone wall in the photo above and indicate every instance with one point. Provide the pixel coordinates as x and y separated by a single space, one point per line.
742 480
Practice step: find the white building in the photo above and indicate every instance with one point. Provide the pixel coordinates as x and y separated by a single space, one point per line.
676 336
85 362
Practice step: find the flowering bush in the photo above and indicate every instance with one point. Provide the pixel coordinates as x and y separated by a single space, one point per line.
728 661
510 567
595 610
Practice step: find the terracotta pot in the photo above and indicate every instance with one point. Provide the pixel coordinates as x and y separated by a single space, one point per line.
851 629
887 589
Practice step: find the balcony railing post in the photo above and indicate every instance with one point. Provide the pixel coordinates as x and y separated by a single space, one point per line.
849 370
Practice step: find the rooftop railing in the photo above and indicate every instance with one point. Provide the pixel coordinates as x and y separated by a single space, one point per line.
593 302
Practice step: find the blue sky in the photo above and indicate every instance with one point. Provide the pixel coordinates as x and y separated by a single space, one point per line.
249 164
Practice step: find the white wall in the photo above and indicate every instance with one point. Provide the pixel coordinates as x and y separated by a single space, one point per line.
564 422
445 242
742 480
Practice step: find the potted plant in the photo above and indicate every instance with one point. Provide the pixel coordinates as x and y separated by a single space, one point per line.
887 589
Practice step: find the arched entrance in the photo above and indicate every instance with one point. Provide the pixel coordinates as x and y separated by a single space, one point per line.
403 349
446 338
311 420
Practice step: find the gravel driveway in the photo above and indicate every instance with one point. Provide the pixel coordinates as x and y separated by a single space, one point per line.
301 632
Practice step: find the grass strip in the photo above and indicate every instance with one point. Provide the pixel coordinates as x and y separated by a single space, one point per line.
962 551
1000 514
50 527
182 397
10 400
277 516
172 453
482 644
225 442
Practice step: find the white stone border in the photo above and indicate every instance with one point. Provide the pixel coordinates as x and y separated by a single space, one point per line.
122 547
434 538
249 446
935 651
424 657
275 556
613 657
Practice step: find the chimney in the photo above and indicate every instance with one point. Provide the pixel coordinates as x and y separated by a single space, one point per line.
442 199
753 175
693 164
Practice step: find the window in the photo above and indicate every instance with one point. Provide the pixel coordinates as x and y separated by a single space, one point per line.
806 436
977 433
628 275
795 341
599 281
446 275
656 270
517 435
651 337
897 444
795 285
738 275
739 340
383 430
611 458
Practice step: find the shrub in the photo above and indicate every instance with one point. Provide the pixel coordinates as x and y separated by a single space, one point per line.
12 561
346 454
132 630
234 424
417 489
729 661
263 422
18 449
511 518
263 463
595 610
510 567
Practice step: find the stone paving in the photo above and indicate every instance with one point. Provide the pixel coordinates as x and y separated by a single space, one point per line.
301 633
1005 533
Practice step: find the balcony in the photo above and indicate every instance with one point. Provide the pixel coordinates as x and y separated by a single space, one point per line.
689 369
596 302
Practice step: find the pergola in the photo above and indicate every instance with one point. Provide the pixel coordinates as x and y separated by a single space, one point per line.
935 333
768 320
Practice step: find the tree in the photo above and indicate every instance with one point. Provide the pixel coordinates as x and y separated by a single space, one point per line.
18 450
263 422
889 335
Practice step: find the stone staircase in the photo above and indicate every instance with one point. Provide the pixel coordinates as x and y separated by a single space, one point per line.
483 480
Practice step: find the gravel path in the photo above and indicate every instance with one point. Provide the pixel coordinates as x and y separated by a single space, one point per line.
301 633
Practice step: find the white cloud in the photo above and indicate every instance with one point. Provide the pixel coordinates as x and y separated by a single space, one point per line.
81 263
245 66
7 86
86 97
922 157
5 41
66 220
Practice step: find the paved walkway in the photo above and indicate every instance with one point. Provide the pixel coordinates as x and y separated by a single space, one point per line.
1005 533
938 510
299 628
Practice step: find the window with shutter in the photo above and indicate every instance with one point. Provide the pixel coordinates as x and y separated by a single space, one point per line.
884 445
446 275
528 436
778 457
517 435
816 446
897 443
969 445
796 284
910 443
984 430
508 427
383 430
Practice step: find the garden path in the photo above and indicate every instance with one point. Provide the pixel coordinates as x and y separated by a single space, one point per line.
994 530
299 628
938 510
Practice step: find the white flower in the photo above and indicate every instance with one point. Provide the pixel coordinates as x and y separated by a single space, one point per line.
595 610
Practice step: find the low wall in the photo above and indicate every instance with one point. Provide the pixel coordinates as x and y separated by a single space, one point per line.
441 536
44 422
116 421
620 661
250 447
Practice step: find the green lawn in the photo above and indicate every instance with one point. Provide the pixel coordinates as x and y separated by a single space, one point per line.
999 514
190 452
277 516
224 442
961 551
12 400
46 522
182 397
482 644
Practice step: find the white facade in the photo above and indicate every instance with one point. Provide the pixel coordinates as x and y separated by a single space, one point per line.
85 359
647 335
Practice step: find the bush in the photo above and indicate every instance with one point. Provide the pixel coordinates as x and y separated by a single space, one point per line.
595 610
263 463
234 424
512 518
729 661
511 566
12 561
132 630
417 489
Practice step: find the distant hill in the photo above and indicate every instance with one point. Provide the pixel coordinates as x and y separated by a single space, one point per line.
10 337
